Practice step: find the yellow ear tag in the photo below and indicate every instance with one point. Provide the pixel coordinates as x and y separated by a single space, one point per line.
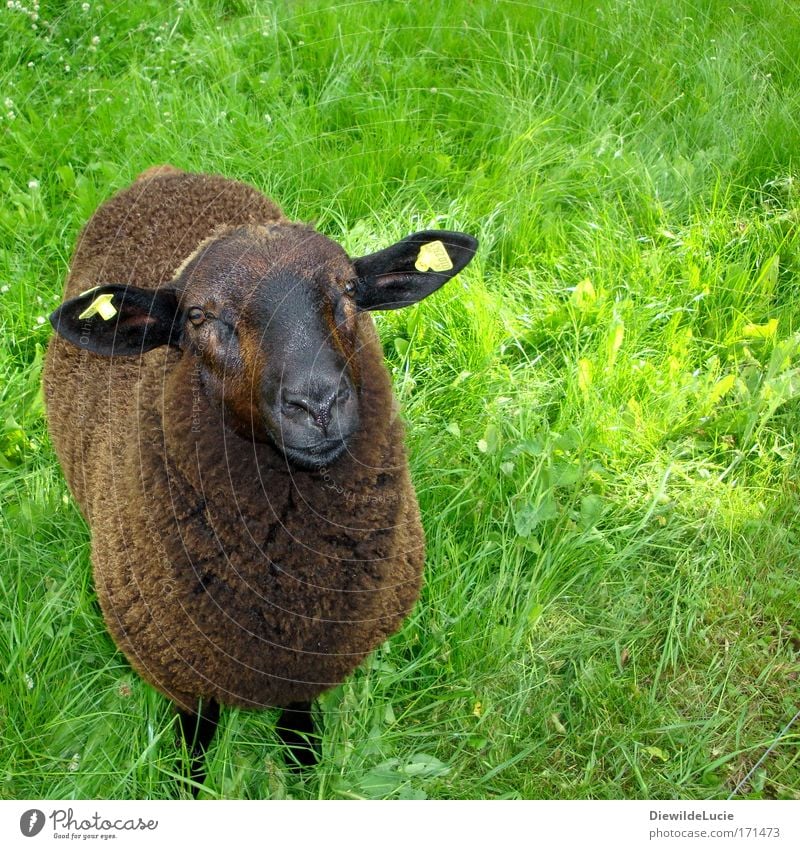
433 256
102 305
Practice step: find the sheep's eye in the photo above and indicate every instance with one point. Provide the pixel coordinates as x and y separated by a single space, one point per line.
196 315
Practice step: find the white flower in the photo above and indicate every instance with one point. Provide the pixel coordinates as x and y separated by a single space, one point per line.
95 39
8 103
85 7
33 184
4 288
28 681
40 320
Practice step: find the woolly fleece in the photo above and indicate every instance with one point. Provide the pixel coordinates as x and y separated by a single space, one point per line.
221 572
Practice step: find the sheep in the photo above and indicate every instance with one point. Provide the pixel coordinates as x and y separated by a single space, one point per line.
217 398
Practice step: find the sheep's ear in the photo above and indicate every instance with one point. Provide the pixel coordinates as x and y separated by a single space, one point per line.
120 320
410 270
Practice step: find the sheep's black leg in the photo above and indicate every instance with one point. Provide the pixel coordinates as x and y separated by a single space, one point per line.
196 730
295 727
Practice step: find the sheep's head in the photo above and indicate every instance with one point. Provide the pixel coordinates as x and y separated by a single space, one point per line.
270 316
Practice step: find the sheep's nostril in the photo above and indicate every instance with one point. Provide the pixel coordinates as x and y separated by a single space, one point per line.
294 404
327 411
301 407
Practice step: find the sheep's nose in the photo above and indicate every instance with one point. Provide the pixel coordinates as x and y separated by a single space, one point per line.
324 408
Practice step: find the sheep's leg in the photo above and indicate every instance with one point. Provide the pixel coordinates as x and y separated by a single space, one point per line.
295 727
195 732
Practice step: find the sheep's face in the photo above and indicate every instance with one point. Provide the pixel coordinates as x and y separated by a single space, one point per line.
274 331
270 317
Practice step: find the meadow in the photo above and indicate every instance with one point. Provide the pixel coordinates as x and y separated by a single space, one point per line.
603 410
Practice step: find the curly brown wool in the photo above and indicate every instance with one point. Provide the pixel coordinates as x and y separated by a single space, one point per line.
217 397
222 571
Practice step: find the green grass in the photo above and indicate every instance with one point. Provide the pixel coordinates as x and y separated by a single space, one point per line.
604 412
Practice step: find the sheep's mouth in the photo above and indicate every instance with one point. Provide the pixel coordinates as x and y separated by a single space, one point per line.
315 457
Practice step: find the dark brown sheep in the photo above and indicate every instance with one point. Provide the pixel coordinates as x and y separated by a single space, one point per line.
223 417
